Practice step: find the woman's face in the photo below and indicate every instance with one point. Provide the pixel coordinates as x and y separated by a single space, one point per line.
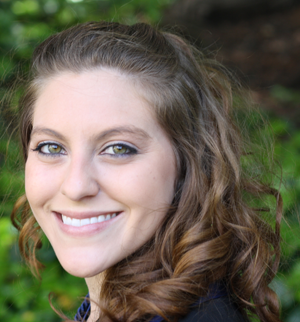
100 171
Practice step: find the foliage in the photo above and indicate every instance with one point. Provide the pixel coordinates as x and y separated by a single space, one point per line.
25 23
287 151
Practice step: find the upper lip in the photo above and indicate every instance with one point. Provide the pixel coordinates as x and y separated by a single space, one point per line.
85 214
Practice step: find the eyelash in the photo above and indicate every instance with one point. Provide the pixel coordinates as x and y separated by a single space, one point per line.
129 150
41 145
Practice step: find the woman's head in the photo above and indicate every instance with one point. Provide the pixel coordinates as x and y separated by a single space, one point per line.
204 230
166 77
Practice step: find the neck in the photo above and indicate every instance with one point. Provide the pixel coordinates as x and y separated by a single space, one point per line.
94 287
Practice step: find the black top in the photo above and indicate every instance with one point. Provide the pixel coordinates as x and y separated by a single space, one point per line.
217 310
218 306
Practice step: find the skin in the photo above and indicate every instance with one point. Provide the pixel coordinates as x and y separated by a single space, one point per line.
78 166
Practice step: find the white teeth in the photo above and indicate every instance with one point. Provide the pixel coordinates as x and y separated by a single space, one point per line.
76 222
101 218
87 221
94 220
84 222
69 221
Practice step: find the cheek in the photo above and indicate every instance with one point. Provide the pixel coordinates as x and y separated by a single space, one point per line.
40 184
147 184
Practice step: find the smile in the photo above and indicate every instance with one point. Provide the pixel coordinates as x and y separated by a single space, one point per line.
86 221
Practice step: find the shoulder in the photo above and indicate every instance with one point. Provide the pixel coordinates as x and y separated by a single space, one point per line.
222 309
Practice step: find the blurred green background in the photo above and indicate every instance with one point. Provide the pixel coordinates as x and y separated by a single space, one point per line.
23 24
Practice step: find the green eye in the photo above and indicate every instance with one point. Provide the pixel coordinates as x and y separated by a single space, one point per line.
54 148
50 149
120 149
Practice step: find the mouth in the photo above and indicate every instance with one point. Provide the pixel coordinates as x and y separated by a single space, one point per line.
75 222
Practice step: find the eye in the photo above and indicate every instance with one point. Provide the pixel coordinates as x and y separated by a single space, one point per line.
119 149
49 148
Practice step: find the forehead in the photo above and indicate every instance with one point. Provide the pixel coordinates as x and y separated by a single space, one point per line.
94 97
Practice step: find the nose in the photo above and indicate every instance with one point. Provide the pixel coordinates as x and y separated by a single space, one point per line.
80 180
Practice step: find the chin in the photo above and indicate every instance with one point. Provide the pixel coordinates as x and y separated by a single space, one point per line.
81 268
82 273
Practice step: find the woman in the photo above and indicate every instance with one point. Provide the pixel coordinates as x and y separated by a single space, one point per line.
133 172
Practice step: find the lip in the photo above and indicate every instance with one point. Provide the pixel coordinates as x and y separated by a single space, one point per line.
86 230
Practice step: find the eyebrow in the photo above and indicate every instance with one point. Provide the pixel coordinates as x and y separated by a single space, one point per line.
42 130
137 132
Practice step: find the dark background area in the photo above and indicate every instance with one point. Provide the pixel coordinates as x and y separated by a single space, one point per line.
258 40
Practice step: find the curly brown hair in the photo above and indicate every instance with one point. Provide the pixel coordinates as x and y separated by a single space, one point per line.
211 232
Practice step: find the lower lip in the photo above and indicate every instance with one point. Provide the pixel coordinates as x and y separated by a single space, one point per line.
85 230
